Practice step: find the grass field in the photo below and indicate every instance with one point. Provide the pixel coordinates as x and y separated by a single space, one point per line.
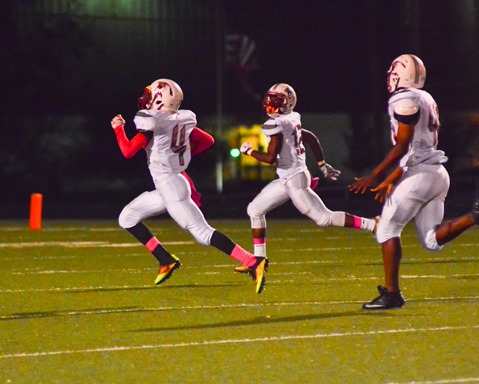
78 305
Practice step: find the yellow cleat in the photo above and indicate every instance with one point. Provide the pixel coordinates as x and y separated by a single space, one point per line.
166 271
258 272
242 269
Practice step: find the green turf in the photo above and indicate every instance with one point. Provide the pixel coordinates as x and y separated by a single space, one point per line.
78 305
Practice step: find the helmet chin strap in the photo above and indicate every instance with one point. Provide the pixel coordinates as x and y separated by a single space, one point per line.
395 84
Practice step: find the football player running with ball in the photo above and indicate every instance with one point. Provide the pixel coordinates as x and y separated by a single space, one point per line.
170 137
285 149
418 184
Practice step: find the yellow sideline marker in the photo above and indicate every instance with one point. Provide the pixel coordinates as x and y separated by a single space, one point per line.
36 202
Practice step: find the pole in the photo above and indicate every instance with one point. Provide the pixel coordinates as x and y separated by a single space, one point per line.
219 94
36 202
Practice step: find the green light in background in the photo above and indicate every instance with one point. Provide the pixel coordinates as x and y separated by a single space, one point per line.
235 152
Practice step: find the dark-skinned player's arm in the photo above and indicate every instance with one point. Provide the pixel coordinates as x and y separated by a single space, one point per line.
385 188
314 144
404 138
268 157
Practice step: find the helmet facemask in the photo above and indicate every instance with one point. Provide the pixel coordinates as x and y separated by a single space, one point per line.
144 102
280 99
274 103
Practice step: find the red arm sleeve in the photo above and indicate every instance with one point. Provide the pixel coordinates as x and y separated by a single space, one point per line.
195 195
129 148
200 141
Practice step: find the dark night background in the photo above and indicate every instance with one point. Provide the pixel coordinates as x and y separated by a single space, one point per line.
68 67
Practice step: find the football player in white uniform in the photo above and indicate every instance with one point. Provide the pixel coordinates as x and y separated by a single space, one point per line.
285 149
170 137
418 185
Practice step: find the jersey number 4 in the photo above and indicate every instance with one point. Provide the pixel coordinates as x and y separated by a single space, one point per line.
178 145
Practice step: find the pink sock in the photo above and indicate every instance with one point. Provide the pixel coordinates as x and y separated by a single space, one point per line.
259 246
152 244
357 222
243 256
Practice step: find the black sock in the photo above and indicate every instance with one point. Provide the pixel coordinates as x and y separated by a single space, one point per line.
222 242
162 255
141 232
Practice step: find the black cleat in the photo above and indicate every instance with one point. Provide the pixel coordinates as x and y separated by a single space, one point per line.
385 300
475 212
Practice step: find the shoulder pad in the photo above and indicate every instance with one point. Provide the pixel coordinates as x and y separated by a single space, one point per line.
271 128
144 120
406 107
187 112
144 113
407 111
187 116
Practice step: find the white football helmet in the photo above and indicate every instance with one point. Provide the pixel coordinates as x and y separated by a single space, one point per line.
406 71
162 94
279 99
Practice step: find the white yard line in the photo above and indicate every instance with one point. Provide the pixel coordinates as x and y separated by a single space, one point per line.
35 271
443 381
146 270
234 341
106 311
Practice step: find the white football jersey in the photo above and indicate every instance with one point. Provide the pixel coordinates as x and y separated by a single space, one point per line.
291 158
423 149
169 149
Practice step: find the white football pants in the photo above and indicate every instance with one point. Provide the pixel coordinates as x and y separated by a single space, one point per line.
419 195
172 195
302 196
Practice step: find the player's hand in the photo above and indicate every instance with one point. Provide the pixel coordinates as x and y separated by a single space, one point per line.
117 121
361 185
246 148
383 191
329 172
